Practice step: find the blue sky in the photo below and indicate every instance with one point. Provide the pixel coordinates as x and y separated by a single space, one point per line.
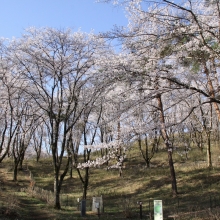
17 15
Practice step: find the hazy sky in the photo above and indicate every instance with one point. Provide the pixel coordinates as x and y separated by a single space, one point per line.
17 15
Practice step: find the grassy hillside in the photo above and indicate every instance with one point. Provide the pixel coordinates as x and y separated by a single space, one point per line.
198 188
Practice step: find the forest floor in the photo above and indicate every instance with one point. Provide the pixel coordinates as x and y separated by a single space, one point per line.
198 187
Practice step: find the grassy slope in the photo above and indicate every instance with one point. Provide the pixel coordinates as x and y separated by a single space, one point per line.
198 188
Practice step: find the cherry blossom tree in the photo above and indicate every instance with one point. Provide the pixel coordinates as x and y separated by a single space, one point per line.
176 48
23 135
60 69
11 94
91 118
38 139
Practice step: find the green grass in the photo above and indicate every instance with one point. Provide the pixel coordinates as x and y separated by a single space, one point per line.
198 188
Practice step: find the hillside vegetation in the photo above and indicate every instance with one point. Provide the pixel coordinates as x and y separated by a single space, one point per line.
198 188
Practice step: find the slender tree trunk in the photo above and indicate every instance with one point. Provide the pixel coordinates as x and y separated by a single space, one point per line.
57 204
201 141
172 172
15 172
56 164
16 158
21 160
147 153
119 147
168 145
209 154
86 182
212 91
57 185
71 167
58 181
38 154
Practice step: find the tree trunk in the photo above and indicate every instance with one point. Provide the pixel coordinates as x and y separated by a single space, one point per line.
168 145
120 171
57 187
146 155
21 162
172 172
211 90
86 182
71 172
209 154
58 182
15 171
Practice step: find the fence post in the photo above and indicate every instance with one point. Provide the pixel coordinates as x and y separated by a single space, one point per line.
83 208
140 203
178 204
149 209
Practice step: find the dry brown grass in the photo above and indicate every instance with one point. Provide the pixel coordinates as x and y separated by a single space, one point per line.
198 198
